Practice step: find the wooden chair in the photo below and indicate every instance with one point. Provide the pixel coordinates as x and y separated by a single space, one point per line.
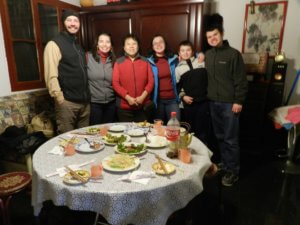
10 184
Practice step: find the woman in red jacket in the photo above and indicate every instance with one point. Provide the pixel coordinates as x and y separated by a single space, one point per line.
133 82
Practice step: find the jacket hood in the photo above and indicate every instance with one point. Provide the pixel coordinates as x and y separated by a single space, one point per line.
170 60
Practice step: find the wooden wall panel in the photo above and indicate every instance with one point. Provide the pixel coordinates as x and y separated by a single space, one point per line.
172 23
176 20
117 24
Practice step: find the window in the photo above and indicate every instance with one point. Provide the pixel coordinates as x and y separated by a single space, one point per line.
27 26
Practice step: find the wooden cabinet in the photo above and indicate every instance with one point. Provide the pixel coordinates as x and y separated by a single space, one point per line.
176 20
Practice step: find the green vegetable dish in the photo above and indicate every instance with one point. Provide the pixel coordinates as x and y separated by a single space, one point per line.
115 139
93 130
130 148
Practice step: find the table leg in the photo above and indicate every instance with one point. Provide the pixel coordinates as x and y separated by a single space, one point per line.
4 205
96 218
99 223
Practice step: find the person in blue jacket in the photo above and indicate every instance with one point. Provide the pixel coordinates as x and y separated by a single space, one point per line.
163 63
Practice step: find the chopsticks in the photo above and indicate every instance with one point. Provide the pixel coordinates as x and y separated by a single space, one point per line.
75 175
163 159
162 165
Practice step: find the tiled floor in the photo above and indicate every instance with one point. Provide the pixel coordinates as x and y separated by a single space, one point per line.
254 200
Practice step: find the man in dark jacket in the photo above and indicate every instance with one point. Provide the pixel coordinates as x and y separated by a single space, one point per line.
227 89
66 76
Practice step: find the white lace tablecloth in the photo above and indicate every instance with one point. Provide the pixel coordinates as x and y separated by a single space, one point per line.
118 201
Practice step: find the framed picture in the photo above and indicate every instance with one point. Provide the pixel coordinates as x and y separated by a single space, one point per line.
264 26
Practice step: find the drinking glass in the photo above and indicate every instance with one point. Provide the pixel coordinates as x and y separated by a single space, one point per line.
185 155
96 170
103 131
69 149
159 130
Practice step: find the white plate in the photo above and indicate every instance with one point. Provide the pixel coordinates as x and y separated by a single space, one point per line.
107 160
130 144
116 135
156 142
68 179
169 167
85 147
117 128
135 132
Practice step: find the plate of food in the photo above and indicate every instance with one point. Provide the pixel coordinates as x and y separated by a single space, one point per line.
159 170
69 179
120 163
156 142
93 130
144 124
89 146
130 148
117 128
135 132
113 139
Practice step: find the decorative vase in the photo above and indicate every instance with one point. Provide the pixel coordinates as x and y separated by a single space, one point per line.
86 3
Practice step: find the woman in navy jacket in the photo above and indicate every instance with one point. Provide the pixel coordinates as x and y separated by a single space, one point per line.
163 64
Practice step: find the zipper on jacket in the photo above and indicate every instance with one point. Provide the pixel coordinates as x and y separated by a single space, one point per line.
132 62
82 67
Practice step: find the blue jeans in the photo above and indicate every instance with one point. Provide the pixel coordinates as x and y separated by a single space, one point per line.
164 109
226 128
197 115
102 113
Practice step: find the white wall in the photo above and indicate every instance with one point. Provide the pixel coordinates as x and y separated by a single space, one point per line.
233 12
73 2
5 88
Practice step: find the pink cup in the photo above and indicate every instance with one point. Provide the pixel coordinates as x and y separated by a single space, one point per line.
185 155
96 170
69 149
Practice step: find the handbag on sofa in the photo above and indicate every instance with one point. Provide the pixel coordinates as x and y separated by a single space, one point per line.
41 122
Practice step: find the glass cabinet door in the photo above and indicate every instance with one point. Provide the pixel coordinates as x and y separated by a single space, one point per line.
48 22
23 38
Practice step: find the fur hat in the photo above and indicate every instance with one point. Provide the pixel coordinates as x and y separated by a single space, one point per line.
68 13
214 21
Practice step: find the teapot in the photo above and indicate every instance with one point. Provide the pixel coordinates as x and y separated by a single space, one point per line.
185 138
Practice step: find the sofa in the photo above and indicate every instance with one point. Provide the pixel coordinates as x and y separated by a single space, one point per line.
18 110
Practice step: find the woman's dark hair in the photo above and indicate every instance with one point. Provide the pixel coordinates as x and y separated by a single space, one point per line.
133 37
186 43
151 52
94 50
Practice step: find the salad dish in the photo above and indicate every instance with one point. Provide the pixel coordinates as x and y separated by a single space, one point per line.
130 148
144 124
113 139
120 163
93 130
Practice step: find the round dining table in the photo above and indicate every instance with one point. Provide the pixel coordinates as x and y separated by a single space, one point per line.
119 202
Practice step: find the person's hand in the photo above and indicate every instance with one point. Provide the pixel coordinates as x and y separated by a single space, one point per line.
201 57
131 100
236 108
187 99
140 100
